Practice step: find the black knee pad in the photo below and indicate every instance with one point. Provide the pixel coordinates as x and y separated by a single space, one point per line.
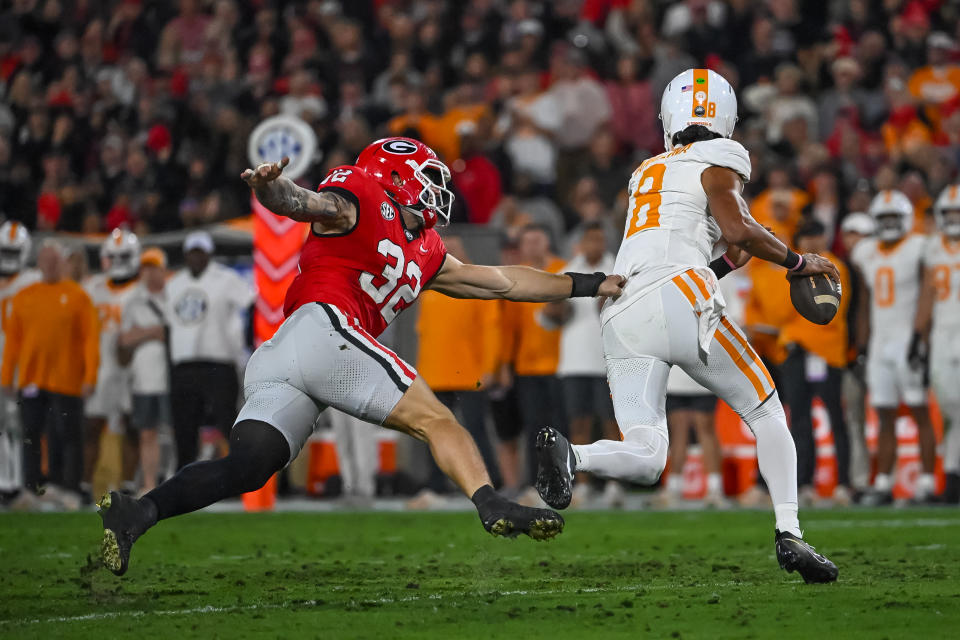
258 450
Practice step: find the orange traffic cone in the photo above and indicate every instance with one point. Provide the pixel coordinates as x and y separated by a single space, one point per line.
263 499
323 463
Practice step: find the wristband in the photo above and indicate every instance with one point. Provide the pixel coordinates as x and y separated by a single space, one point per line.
722 266
793 261
586 285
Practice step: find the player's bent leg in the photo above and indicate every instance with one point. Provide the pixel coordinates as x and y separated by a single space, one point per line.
638 386
421 415
257 451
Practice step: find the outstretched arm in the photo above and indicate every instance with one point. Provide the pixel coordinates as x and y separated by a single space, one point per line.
512 282
284 198
730 210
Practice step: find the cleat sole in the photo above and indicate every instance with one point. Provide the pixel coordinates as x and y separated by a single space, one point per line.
110 552
104 503
545 529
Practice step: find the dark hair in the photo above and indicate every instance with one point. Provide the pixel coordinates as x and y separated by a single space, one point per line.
536 226
694 133
594 225
808 229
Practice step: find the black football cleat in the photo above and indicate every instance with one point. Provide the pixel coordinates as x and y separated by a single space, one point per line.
555 465
124 520
509 519
796 555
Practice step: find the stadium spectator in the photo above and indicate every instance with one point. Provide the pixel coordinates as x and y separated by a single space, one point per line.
581 368
50 358
357 456
854 228
633 121
691 407
457 356
814 366
144 335
205 301
15 245
531 353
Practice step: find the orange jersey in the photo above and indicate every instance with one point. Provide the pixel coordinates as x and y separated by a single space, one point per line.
768 308
459 341
52 339
761 208
525 343
827 341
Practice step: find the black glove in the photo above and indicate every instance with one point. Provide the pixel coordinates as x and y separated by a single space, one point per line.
917 354
858 366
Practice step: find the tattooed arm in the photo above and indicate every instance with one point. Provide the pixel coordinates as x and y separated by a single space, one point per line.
329 211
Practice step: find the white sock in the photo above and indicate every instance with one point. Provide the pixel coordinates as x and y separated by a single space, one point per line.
675 483
787 520
883 482
777 458
640 457
579 457
925 487
714 483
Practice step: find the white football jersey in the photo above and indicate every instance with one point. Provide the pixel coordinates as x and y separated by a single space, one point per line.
943 257
109 300
669 229
893 276
11 287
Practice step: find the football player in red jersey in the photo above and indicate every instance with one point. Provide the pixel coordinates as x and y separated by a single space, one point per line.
372 248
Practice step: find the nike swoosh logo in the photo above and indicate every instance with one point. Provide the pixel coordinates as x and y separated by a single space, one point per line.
423 249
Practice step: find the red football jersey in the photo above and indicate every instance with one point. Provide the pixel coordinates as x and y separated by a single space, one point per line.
375 270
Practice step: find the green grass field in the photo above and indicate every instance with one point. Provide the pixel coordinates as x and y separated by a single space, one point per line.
388 575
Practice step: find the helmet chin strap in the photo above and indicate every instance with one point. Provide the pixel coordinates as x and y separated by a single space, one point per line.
411 211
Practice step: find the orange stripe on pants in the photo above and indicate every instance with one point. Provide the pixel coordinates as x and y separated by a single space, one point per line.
746 346
741 363
697 280
685 290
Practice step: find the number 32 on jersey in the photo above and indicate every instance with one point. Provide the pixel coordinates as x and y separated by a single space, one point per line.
391 275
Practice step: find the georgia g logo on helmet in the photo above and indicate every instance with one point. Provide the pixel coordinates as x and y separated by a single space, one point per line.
400 147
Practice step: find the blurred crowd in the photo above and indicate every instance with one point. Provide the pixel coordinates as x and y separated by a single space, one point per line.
135 114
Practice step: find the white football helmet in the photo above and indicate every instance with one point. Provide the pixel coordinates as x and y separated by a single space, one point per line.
948 202
121 250
698 96
14 247
893 213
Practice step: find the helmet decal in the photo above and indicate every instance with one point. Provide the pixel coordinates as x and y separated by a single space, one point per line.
701 91
399 147
412 176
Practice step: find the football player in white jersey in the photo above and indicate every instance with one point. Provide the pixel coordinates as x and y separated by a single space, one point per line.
940 307
683 203
109 291
14 251
891 268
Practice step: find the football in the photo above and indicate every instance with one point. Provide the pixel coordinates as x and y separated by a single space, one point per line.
816 297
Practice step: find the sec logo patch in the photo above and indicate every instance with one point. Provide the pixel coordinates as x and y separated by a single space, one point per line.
387 211
192 306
